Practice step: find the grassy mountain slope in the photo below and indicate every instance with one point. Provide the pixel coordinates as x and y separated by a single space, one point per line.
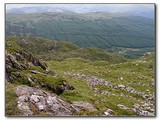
136 75
102 30
23 68
121 89
54 50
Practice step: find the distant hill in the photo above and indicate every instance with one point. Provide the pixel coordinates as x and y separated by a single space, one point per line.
101 30
54 50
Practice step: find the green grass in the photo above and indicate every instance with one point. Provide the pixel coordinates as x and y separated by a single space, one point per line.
11 46
59 51
48 80
11 101
131 73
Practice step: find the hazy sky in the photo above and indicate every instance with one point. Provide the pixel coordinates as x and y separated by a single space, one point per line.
149 6
146 10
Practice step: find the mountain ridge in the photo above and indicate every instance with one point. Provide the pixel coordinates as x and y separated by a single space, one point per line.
107 31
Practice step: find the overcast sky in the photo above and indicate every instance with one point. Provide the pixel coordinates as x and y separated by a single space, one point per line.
9 6
137 9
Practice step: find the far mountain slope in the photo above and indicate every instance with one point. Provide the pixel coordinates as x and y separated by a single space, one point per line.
101 30
55 50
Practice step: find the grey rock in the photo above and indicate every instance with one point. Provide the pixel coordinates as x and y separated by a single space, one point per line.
12 58
134 110
151 110
84 105
31 81
37 72
23 98
136 105
23 90
107 114
129 89
24 107
110 111
121 86
123 107
105 93
92 80
46 102
147 54
41 106
30 64
34 98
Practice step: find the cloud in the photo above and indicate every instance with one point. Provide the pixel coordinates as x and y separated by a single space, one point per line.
137 9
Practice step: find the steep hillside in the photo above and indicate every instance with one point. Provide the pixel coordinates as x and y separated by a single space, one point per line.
102 30
23 69
76 86
54 50
125 89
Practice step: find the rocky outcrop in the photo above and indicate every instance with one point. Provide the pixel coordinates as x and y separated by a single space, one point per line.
63 86
121 86
46 103
21 60
148 54
27 60
17 62
108 112
84 105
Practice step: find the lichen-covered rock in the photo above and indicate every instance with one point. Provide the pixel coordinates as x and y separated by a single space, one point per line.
147 54
21 60
121 86
108 112
105 92
123 107
21 67
46 102
84 105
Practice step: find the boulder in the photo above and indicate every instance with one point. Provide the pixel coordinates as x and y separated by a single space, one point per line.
121 86
44 102
84 105
123 107
147 54
108 112
136 105
104 92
